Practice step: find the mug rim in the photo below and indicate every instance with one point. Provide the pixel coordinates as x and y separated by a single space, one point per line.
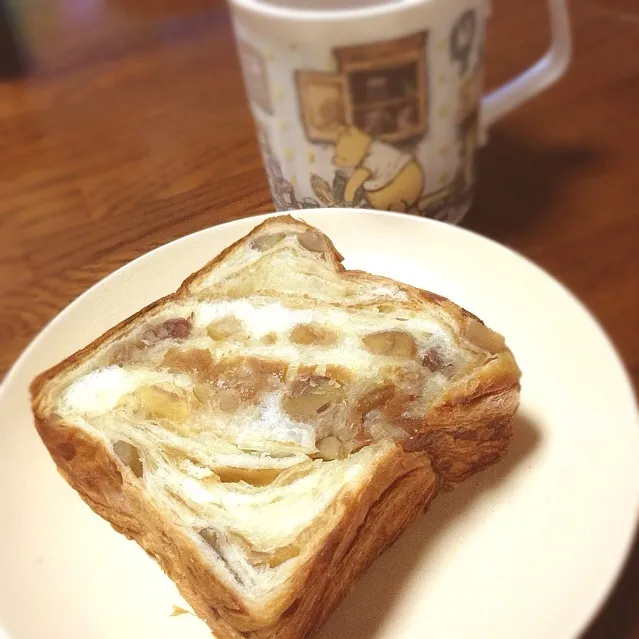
267 9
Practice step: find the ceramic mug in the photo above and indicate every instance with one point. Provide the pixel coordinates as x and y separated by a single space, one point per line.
377 103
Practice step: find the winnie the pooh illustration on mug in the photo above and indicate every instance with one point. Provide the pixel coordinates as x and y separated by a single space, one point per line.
391 179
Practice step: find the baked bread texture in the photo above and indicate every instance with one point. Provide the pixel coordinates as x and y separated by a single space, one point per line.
269 429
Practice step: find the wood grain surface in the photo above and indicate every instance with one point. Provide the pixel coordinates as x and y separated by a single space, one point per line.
131 129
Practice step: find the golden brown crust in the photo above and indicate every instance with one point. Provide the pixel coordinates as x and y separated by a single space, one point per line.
336 572
466 431
471 426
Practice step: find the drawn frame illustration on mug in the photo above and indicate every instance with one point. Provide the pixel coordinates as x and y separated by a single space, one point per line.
373 111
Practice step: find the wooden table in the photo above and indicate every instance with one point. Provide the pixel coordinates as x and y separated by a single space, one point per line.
132 130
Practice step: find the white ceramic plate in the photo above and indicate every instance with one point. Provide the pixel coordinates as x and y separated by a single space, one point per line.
527 549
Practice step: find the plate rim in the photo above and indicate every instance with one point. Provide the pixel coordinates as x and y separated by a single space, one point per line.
582 623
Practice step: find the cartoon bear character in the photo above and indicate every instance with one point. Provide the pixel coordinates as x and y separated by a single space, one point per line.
392 179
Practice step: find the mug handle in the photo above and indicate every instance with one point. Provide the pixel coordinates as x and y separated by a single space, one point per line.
541 75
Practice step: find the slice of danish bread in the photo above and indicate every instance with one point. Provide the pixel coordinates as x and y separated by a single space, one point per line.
270 428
